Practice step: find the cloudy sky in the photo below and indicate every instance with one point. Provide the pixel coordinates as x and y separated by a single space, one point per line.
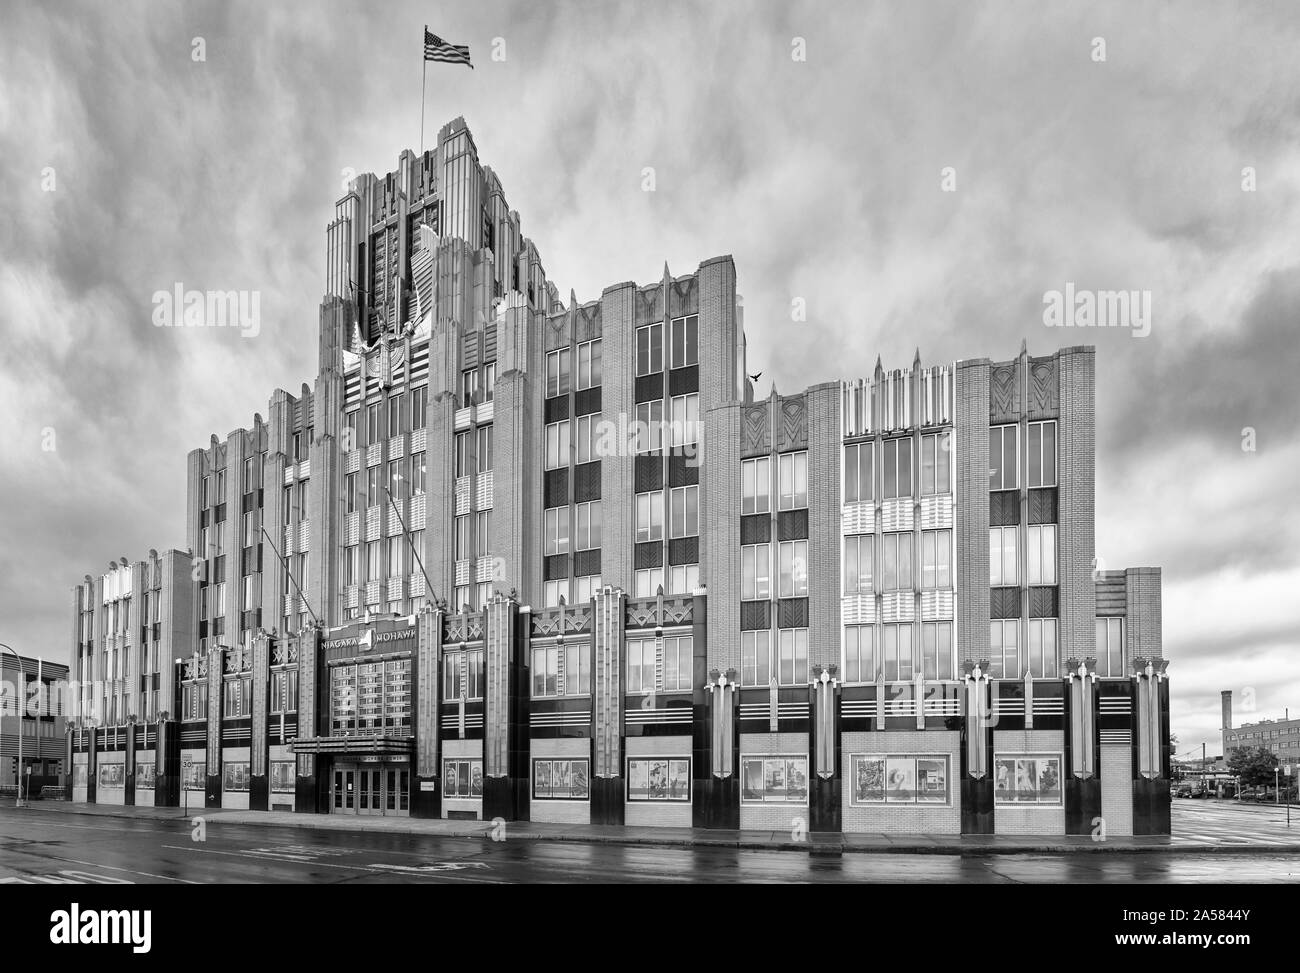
129 166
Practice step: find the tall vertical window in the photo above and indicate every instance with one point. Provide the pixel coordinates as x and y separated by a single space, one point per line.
649 426
1041 446
555 530
857 564
1002 556
1110 647
685 341
1043 660
468 387
792 470
374 422
372 561
897 653
897 468
351 565
460 545
936 559
557 445
463 462
396 479
489 381
678 663
588 517
584 440
793 560
858 481
252 473
348 438
394 414
1004 648
557 373
756 485
374 487
641 665
935 450
1004 465
756 658
860 662
482 533
483 450
418 470
650 349
685 420
419 406
685 519
936 650
589 364
897 561
755 572
792 648
650 516
1040 552
395 548
349 492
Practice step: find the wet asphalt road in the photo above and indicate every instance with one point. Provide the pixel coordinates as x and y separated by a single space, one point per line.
51 847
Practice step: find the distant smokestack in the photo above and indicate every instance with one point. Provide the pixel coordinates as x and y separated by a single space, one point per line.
1226 696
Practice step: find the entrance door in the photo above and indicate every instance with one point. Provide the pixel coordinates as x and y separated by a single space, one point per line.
372 789
345 791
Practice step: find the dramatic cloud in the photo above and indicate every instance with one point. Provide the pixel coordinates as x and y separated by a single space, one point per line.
822 177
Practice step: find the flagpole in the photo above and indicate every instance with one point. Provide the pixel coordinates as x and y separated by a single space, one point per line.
424 70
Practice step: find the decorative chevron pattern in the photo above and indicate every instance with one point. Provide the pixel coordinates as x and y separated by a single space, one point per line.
756 429
794 424
1002 393
1042 388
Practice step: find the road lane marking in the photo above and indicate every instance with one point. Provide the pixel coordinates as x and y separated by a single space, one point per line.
380 869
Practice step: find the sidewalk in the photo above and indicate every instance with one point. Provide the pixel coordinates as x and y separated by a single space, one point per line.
829 844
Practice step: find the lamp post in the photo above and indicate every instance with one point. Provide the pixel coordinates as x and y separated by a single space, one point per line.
18 709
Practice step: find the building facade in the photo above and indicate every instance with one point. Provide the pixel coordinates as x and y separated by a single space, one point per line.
33 705
511 557
1282 736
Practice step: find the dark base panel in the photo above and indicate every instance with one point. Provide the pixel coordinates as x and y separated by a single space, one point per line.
717 803
212 792
426 803
167 788
1082 804
259 792
1151 806
607 800
129 797
976 805
824 810
505 798
306 798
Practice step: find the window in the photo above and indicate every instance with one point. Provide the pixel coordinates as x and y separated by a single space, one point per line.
781 779
194 774
468 387
374 486
348 439
793 475
236 696
756 486
1004 442
897 662
396 479
650 516
685 420
462 778
1002 555
286 515
648 582
755 574
936 559
553 591
374 422
394 414
489 381
234 776
584 443
1042 453
462 454
860 663
284 690
685 341
936 650
586 587
372 561
683 579
562 670
650 349
417 474
249 529
685 521
935 450
1042 648
252 473
349 492
419 406
792 646
649 426
557 445
460 549
641 658
793 561
858 481
897 559
555 530
1040 543
897 468
395 545
1004 648
1027 779
659 779
589 364
282 776
482 533
1110 647
557 373
452 676
194 701
483 454
899 779
857 564
560 780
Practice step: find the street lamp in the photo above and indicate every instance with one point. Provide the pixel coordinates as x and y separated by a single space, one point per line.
18 708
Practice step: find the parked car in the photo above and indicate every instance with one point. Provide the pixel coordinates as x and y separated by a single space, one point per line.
1184 790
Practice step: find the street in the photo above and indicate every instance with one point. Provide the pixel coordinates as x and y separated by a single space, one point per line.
46 846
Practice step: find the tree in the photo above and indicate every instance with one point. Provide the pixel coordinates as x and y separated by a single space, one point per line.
1253 766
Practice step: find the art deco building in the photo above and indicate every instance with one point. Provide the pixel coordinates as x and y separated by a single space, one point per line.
513 557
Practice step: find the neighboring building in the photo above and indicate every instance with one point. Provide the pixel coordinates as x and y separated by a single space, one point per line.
44 721
510 557
1280 736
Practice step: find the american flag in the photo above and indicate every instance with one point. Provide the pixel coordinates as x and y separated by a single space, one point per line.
437 49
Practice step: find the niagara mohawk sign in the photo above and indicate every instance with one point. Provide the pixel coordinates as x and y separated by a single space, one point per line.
366 637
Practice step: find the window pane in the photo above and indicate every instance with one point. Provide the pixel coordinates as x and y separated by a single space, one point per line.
1010 469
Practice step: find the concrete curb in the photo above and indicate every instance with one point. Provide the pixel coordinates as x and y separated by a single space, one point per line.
828 847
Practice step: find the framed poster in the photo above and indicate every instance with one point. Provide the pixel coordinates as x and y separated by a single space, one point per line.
777 779
561 780
659 779
897 778
1027 779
